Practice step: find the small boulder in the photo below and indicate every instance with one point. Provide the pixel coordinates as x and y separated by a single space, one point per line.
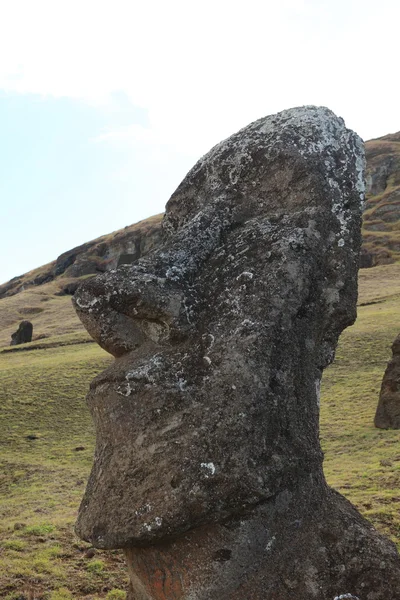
388 411
23 334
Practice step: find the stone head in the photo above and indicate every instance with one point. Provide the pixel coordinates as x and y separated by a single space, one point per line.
220 335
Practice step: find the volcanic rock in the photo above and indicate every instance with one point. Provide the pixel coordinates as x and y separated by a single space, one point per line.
23 334
382 208
91 258
388 411
126 259
208 467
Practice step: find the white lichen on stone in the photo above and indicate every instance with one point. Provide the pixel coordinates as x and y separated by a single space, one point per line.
88 304
209 467
342 216
245 275
270 544
142 510
154 524
318 391
143 374
182 384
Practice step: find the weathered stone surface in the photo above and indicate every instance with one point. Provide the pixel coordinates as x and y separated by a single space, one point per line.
127 259
388 411
23 334
208 467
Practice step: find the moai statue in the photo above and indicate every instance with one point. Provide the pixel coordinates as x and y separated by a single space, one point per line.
388 410
23 334
208 466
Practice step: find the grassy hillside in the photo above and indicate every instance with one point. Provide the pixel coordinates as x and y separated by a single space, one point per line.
43 296
50 313
363 462
47 438
46 445
381 228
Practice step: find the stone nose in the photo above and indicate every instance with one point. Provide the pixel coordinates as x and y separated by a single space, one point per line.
121 311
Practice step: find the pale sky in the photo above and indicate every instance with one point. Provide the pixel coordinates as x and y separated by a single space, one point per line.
105 105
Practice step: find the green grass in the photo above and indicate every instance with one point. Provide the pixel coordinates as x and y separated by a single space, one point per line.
42 479
55 341
51 315
45 420
116 595
363 462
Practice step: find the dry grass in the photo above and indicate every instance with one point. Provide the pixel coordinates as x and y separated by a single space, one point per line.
50 314
363 462
378 284
46 446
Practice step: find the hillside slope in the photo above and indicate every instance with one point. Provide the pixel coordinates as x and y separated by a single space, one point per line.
381 228
96 256
49 313
43 296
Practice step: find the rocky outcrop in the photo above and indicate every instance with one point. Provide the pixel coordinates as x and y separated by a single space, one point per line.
388 411
103 254
208 467
23 334
126 259
94 257
382 209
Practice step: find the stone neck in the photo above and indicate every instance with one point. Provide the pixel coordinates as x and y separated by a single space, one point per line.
217 561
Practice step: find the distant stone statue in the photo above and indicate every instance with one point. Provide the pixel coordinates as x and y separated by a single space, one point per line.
388 411
23 334
208 466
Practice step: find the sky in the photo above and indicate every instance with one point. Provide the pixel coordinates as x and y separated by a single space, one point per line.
105 105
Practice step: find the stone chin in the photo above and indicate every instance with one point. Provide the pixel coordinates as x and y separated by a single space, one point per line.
161 468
